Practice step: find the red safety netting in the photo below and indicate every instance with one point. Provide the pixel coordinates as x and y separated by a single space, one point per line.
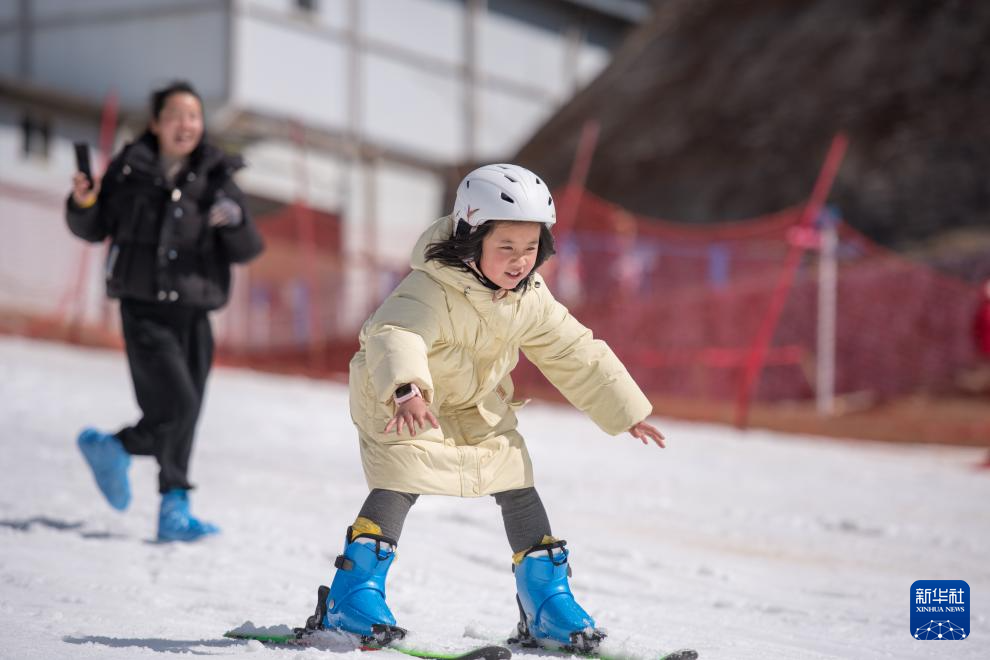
683 307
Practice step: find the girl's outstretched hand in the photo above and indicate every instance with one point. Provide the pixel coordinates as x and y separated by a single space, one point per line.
414 411
647 432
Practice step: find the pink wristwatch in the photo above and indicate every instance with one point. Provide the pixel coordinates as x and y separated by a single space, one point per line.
405 392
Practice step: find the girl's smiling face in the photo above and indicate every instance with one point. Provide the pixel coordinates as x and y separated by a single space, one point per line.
179 125
508 252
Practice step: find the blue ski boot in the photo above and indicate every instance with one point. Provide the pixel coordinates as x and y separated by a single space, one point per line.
109 462
548 613
355 600
176 523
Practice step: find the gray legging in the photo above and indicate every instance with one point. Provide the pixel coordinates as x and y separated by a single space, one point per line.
525 519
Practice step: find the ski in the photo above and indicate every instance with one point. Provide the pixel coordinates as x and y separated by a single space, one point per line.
531 646
680 654
344 642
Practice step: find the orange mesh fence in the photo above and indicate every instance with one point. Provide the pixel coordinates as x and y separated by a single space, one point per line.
682 307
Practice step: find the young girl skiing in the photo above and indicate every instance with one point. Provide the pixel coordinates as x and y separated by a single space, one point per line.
432 400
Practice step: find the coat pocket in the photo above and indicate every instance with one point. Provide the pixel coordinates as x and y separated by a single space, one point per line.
120 273
423 437
506 392
493 409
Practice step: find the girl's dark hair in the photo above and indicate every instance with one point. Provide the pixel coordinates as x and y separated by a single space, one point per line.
159 97
465 246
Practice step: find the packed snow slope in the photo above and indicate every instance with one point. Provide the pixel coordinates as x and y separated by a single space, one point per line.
746 546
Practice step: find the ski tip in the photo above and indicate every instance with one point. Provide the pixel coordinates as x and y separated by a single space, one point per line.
497 653
682 654
486 653
493 652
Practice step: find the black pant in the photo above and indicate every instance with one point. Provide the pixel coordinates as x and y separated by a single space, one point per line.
523 514
170 352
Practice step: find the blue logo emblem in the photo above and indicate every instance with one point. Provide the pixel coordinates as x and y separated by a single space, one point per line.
940 609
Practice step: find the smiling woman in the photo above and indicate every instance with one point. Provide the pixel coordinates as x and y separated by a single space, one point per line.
176 221
177 121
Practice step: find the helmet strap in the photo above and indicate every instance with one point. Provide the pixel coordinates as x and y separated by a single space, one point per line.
481 277
475 269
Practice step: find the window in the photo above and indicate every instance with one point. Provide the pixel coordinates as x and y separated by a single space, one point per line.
36 137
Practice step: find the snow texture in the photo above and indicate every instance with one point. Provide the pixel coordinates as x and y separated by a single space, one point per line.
746 546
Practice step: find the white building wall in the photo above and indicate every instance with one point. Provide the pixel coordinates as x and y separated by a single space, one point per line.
8 55
39 257
413 82
328 13
112 65
51 175
68 9
87 48
528 53
432 28
9 40
416 91
417 95
273 172
288 69
506 122
412 110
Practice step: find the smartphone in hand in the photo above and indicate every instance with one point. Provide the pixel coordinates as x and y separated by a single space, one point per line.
82 160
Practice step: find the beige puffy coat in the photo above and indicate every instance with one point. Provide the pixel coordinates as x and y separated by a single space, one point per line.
444 331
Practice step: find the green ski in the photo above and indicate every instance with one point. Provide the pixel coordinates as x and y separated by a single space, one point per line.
313 640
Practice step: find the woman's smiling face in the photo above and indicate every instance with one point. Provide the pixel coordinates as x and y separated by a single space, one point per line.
508 252
179 125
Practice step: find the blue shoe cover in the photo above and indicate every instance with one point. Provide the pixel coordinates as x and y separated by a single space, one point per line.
545 597
109 462
175 523
356 602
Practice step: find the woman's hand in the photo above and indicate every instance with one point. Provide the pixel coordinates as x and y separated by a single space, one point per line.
647 432
226 213
82 194
413 411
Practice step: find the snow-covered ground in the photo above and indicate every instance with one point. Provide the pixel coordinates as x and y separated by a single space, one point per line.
743 545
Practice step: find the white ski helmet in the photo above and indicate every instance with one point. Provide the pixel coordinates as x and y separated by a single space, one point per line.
503 192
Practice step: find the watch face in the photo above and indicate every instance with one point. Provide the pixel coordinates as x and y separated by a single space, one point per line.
403 390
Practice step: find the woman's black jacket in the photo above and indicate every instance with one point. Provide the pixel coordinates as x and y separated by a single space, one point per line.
162 247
